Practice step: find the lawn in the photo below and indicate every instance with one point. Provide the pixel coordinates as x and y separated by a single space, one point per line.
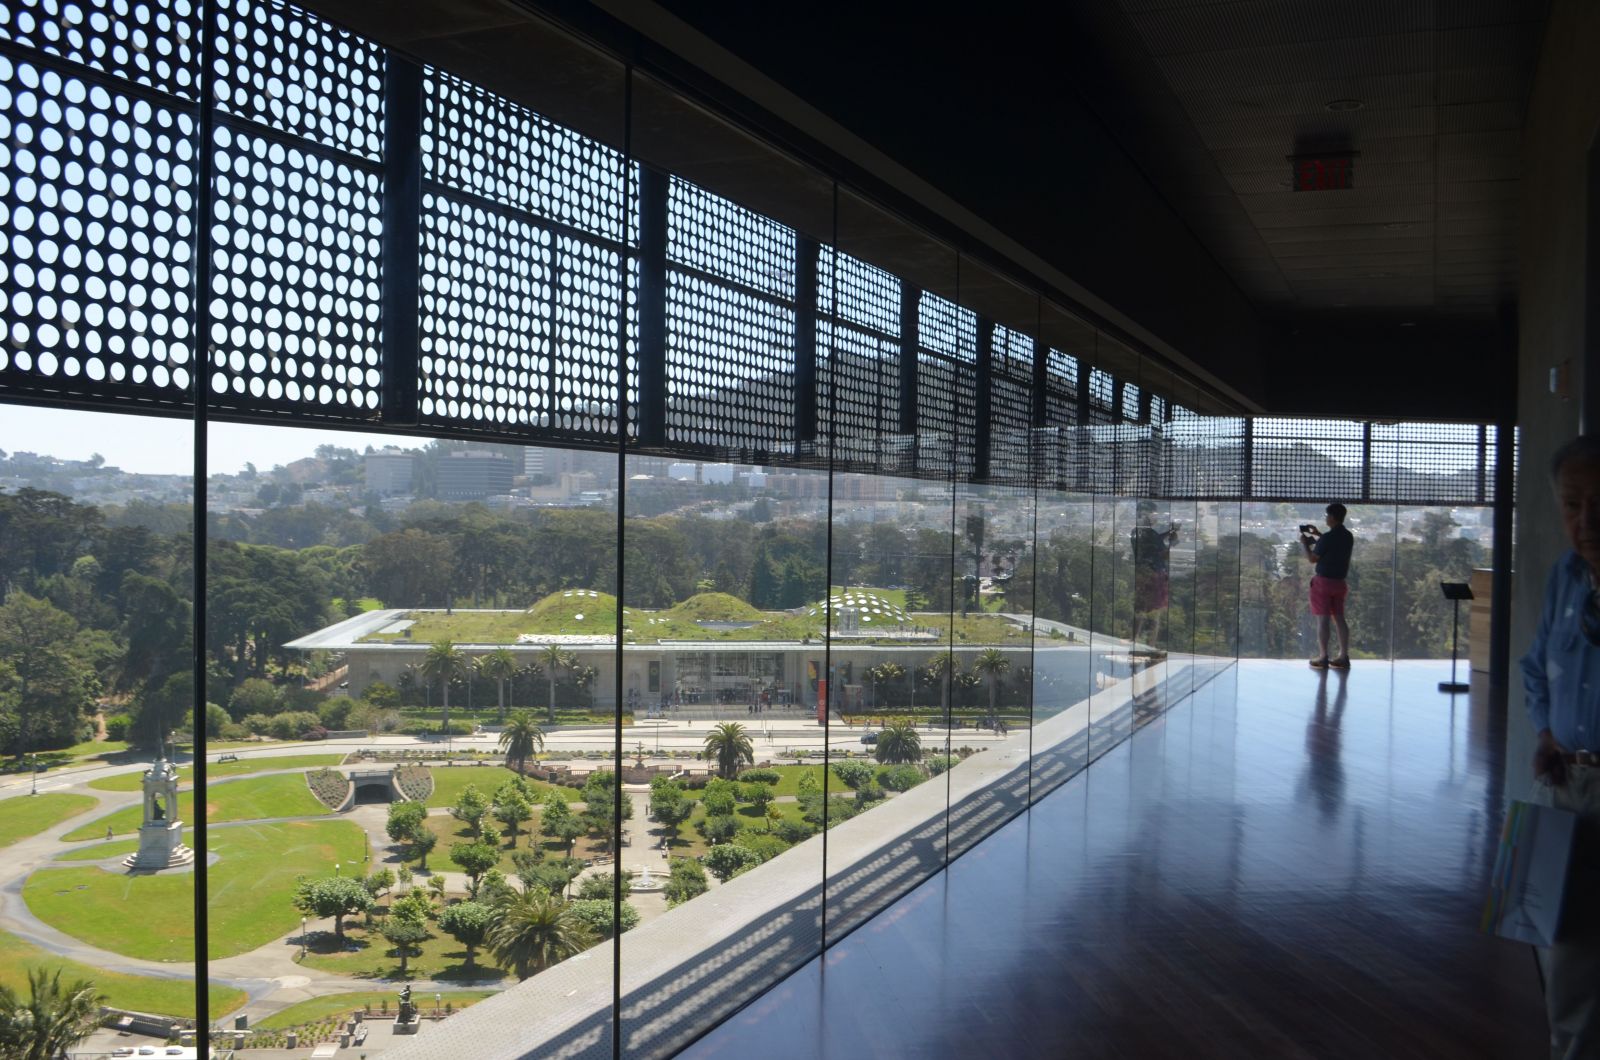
220 770
367 956
166 997
26 815
285 795
114 848
448 781
320 1008
150 916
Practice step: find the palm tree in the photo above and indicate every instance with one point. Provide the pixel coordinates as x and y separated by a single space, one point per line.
991 663
730 742
938 672
533 930
444 663
499 666
882 674
555 660
520 739
54 1019
898 742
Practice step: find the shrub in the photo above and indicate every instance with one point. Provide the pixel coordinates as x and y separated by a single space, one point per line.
765 846
258 724
730 860
596 915
939 763
761 776
415 782
254 696
793 831
291 724
856 775
117 727
900 778
433 728
335 713
719 828
381 695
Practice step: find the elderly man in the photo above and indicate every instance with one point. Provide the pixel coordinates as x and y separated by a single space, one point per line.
1561 674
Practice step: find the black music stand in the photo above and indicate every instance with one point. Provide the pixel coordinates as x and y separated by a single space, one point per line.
1457 592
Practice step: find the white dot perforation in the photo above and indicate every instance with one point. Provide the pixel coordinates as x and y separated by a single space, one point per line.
153 44
730 367
486 289
295 293
587 307
97 200
288 69
716 236
946 328
481 143
867 296
858 386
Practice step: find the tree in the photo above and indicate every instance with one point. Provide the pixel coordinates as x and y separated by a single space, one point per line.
53 1020
937 672
499 666
422 843
730 744
521 739
558 822
45 688
758 795
404 933
600 805
444 662
534 930
553 876
599 916
721 798
729 860
511 808
860 778
882 674
992 665
686 880
600 885
468 923
470 808
898 742
335 896
474 859
379 883
555 659
669 805
405 820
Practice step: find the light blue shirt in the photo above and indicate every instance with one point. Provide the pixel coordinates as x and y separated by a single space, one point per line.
1561 672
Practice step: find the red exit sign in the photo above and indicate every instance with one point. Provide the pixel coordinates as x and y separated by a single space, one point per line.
1324 172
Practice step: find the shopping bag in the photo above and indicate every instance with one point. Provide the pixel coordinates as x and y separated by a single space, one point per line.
1530 874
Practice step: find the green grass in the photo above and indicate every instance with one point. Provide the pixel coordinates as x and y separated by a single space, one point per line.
366 603
220 770
285 795
367 956
90 748
166 997
790 784
114 848
26 815
448 782
150 917
320 1008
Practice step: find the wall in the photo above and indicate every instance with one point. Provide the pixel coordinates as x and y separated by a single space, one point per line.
1563 117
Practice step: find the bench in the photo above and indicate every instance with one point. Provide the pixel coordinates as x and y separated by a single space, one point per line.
229 757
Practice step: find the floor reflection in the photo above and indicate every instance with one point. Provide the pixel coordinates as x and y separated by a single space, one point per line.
1237 880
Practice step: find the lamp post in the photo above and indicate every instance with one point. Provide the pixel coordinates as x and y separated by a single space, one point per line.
33 767
436 999
302 938
336 867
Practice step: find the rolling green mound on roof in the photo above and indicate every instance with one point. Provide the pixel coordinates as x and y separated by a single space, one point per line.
573 611
714 607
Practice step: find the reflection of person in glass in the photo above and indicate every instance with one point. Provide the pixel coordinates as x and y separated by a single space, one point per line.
1151 580
1561 678
1324 768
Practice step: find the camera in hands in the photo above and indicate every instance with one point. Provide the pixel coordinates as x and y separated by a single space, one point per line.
1310 529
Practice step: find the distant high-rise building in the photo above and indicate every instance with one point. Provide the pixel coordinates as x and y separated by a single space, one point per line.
389 471
473 474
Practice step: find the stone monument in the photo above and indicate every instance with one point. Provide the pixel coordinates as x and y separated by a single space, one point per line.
161 835
407 1021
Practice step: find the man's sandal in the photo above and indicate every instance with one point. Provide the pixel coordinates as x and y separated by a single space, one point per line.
1319 664
1339 664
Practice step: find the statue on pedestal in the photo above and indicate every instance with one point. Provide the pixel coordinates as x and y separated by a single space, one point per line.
161 835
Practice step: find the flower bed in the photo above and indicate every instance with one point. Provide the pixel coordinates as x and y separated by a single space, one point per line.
330 786
415 782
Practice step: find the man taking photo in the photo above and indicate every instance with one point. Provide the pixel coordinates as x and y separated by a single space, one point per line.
1331 553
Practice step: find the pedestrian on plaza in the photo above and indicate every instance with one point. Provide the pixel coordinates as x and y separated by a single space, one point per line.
1561 676
1330 552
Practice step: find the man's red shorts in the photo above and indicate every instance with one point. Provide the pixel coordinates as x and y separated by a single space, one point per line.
1327 595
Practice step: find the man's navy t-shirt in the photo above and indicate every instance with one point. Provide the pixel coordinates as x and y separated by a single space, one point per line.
1332 550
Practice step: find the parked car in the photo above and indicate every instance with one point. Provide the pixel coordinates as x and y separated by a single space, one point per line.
869 738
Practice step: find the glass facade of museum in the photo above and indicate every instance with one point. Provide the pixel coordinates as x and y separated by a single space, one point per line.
513 423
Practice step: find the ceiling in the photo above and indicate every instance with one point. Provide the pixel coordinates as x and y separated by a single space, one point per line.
1132 155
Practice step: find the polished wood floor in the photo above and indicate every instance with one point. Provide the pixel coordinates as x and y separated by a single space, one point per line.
1285 865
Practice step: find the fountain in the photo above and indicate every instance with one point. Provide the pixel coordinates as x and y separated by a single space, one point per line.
644 883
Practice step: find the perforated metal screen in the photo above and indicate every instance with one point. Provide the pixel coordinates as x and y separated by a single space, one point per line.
1306 459
858 362
1432 462
947 381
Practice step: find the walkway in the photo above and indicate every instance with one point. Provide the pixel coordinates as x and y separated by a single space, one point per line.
1288 866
